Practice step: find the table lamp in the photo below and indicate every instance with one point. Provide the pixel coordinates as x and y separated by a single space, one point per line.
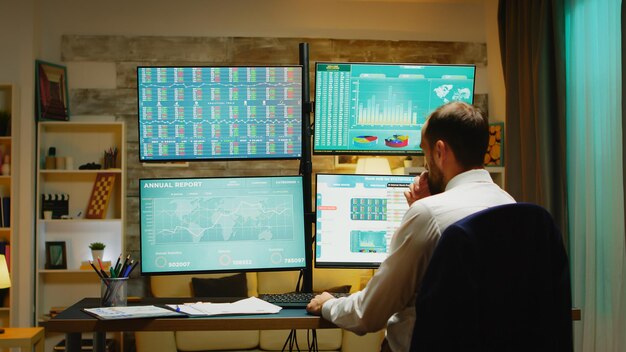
5 279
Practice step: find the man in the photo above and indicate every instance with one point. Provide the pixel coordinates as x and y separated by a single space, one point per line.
455 185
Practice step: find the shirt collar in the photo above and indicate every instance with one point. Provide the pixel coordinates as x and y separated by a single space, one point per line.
470 176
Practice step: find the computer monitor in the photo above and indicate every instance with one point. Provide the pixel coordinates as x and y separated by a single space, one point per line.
225 224
356 217
219 113
376 108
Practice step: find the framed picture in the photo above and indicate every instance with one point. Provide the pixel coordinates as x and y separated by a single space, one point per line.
495 149
51 92
56 257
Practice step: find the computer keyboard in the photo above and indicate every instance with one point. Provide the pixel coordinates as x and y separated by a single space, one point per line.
293 299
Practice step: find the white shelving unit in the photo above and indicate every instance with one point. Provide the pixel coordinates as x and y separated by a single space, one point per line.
84 142
8 103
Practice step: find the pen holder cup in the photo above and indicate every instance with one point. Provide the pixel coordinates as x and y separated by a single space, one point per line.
113 292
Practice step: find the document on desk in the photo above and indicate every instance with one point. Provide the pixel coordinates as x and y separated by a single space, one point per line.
132 312
251 305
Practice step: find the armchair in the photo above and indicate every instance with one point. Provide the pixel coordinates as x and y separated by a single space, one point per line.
498 281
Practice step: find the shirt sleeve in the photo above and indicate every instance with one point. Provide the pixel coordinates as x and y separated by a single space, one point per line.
393 287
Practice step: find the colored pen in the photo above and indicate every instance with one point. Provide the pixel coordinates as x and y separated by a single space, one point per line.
115 267
96 270
129 268
133 268
104 273
125 265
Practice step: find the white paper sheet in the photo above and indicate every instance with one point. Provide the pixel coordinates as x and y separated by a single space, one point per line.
131 312
251 305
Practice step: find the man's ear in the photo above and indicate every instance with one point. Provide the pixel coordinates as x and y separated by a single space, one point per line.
440 153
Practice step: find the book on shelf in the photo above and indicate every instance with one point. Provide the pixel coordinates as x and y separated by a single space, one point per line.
5 211
106 265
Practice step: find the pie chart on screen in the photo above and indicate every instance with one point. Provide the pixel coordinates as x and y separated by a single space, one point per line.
365 139
397 141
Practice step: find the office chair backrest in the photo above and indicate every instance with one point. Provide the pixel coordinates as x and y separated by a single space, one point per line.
498 281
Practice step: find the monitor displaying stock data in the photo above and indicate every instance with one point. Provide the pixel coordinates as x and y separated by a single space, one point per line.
375 108
356 216
217 113
226 224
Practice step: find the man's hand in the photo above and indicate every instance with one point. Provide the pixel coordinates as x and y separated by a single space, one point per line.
418 189
315 306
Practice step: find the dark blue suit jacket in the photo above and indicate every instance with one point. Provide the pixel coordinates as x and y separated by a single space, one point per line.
498 281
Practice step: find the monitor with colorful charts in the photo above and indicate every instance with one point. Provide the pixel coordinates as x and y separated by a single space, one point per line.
379 109
356 217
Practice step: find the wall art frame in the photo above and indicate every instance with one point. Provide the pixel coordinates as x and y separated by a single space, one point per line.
51 96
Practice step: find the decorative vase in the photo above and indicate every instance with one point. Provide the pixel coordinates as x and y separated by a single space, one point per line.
95 253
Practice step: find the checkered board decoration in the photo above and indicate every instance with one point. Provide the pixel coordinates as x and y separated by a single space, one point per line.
100 196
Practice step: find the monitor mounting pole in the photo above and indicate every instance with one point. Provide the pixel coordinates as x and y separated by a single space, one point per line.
306 169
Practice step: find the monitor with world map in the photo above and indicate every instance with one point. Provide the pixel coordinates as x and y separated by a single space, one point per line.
221 224
380 108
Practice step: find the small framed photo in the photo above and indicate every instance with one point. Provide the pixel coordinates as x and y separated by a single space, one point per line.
495 149
56 257
51 99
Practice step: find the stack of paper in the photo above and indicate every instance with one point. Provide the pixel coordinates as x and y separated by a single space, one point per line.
250 305
132 312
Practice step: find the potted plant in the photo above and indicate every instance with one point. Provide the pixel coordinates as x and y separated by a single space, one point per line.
97 250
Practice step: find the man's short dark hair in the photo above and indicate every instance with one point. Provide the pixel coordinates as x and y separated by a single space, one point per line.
464 128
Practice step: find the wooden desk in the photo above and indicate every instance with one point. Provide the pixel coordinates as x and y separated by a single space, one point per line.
73 321
24 338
